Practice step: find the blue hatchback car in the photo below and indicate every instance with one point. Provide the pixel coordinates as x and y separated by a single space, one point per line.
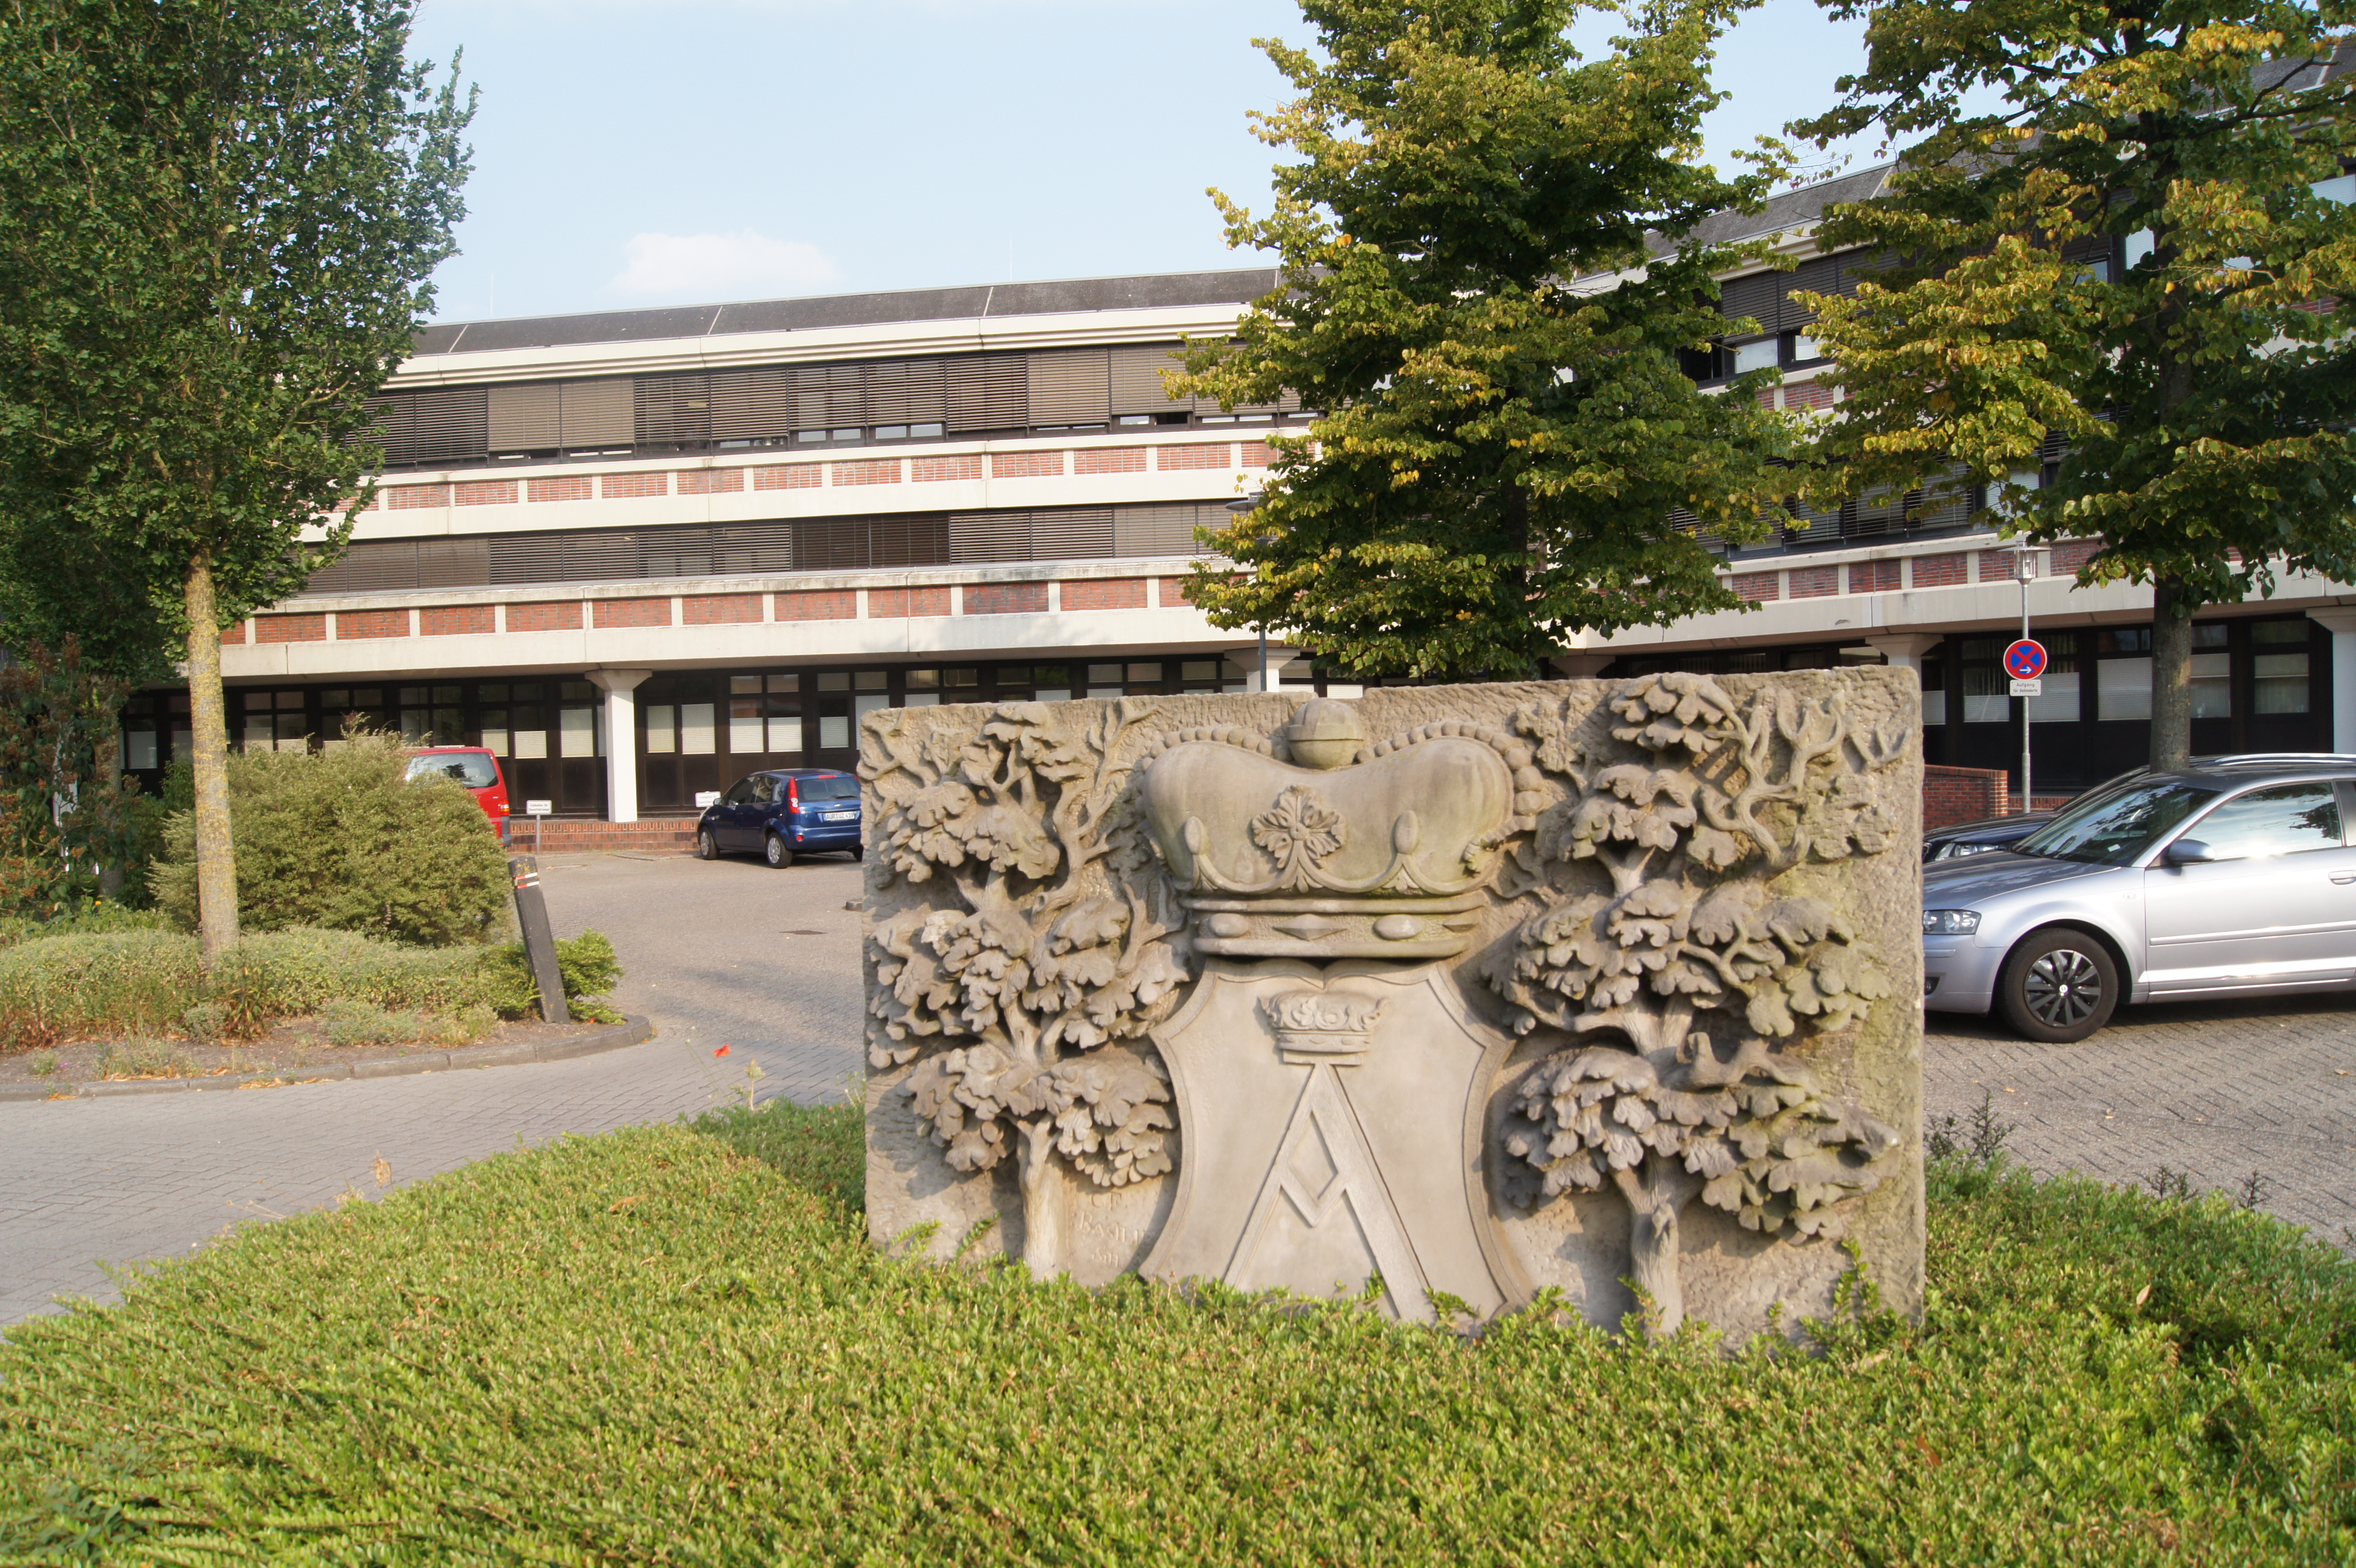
789 811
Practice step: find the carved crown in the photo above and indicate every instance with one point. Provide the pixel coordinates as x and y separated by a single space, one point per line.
1369 851
1324 1026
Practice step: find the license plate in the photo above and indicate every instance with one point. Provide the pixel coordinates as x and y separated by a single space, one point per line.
842 816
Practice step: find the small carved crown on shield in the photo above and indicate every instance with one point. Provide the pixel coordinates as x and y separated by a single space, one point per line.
1322 1026
1346 851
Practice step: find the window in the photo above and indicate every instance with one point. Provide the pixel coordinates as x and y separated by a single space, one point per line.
577 732
471 768
2278 662
1806 348
834 787
1762 355
2111 827
785 733
833 732
2122 689
1935 692
2285 820
2058 704
746 729
494 731
139 748
696 736
740 791
662 732
1987 690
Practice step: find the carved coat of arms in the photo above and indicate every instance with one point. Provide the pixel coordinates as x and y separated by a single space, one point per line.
1455 993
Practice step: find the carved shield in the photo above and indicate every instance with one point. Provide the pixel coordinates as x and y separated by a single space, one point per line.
1333 1122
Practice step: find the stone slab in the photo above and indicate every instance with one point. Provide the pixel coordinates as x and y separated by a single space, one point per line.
1476 991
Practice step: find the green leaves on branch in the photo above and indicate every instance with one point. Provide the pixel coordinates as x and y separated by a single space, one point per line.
1502 459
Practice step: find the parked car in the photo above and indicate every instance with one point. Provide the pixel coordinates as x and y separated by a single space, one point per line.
2234 876
783 813
1976 838
473 767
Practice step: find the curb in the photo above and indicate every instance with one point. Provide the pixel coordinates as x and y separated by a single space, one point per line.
630 1031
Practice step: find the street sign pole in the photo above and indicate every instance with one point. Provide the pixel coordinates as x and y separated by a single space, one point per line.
2025 568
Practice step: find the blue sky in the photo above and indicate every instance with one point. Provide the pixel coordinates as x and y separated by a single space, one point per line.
654 152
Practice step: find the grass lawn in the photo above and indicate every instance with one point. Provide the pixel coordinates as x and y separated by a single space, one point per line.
672 1345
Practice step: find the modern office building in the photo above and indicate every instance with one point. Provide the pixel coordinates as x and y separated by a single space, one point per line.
640 553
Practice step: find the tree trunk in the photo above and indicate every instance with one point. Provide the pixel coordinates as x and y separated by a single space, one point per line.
1043 1213
208 725
2171 676
1655 1196
108 744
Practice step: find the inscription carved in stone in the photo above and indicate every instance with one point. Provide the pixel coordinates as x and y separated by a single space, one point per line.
1470 991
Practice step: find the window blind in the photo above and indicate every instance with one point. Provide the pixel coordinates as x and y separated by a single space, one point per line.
1069 386
987 391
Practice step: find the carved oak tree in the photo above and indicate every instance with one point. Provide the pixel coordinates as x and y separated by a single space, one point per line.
1055 957
1691 840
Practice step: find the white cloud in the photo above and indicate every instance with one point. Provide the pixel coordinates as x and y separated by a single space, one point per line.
701 267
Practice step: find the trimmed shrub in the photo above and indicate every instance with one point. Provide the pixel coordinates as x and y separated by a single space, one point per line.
345 841
110 984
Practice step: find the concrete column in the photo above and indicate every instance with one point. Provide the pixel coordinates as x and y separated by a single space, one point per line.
1245 661
1583 665
621 687
1904 652
2341 624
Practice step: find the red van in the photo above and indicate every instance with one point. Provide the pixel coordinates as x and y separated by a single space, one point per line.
472 765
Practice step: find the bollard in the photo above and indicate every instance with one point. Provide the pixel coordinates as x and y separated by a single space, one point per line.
538 937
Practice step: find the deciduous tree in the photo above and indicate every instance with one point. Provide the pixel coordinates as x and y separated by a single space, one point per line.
2204 388
217 221
1506 455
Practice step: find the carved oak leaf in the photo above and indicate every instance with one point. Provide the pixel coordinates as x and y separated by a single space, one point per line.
1006 838
1111 1118
1714 850
1725 913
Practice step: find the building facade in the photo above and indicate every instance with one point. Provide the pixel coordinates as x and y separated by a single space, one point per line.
642 554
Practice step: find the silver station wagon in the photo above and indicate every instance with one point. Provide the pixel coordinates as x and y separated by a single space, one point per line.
2236 877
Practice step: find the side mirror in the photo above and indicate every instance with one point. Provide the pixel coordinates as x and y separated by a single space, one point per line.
2187 851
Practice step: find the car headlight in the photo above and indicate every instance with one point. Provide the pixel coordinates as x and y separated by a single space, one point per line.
1950 922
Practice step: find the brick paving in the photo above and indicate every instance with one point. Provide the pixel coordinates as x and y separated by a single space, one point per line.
767 962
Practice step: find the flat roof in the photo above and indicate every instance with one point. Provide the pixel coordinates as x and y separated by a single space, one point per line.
980 300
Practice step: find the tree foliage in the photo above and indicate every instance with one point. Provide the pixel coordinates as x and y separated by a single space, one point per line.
216 227
1504 458
2205 392
62 822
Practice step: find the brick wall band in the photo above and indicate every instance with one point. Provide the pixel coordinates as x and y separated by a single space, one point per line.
1814 582
456 621
818 604
1953 795
1872 576
1005 598
1942 571
708 481
291 628
881 471
1756 585
562 487
1104 593
789 476
1026 465
1108 460
353 625
1171 593
410 498
561 615
617 487
652 610
487 492
1195 455
941 470
894 603
719 609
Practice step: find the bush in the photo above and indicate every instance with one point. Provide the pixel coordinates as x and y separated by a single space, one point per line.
344 841
144 981
674 1343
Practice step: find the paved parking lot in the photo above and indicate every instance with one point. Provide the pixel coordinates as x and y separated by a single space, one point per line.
767 962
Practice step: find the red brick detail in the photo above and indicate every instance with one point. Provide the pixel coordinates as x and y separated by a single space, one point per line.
879 471
291 628
1104 593
410 498
242 633
1872 576
818 604
654 610
1005 598
487 492
563 616
1255 454
1808 394
1026 465
1938 571
2316 306
579 835
2069 557
789 476
1756 585
459 620
1814 582
1108 460
1199 455
708 481
1953 795
353 625
939 471
1764 397
1174 591
564 488
719 609
893 603
620 487
1995 565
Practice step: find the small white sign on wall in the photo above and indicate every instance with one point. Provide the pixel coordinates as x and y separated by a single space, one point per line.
704 797
2032 688
538 808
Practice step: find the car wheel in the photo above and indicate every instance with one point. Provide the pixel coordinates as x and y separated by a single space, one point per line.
858 851
706 846
2058 986
774 851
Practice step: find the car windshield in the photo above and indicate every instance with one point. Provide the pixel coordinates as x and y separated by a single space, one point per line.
836 786
2113 826
472 768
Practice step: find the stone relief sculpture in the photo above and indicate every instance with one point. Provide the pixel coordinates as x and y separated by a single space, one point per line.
1049 958
1285 992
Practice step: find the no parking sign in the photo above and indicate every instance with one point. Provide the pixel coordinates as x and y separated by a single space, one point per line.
2025 662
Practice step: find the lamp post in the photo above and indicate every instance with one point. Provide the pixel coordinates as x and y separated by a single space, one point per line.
2024 568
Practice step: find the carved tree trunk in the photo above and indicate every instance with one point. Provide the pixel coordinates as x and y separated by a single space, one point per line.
1655 1192
1043 1208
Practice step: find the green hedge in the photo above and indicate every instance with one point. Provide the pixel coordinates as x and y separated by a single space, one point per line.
345 841
673 1344
112 983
